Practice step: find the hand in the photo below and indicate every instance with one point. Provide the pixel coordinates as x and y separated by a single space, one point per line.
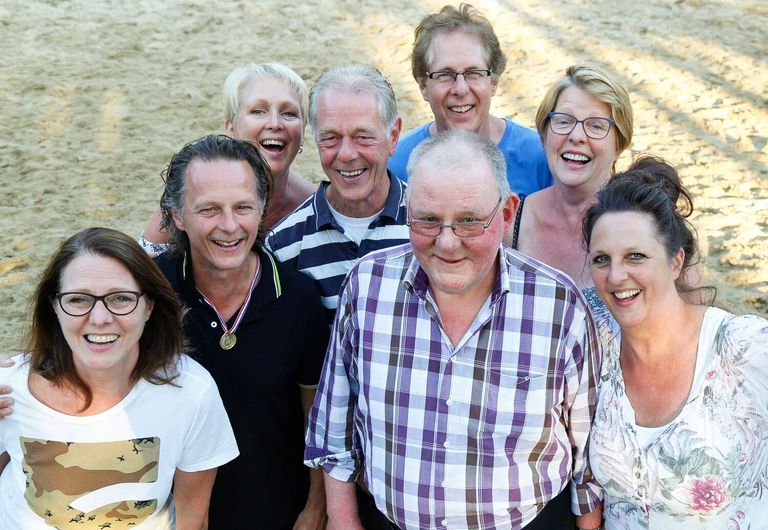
311 518
6 403
5 360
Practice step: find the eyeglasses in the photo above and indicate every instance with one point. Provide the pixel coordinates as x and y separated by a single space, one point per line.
448 78
461 228
594 127
118 303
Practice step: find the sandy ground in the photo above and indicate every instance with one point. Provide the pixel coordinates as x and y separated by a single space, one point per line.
97 95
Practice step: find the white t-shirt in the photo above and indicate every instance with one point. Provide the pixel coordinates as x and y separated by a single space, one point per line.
113 469
355 227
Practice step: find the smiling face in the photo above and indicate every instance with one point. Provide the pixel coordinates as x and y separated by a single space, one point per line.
101 341
270 117
221 214
458 266
630 267
576 159
459 105
354 146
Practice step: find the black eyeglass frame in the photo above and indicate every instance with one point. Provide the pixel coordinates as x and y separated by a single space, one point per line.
611 123
454 75
431 224
102 298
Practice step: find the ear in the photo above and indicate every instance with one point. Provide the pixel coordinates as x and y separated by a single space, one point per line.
423 88
177 219
394 135
229 129
677 262
509 210
494 86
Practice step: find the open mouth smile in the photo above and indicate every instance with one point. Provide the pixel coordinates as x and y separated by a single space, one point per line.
461 109
273 146
101 339
575 157
351 174
626 295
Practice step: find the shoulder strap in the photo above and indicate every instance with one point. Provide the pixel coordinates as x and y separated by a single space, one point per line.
516 227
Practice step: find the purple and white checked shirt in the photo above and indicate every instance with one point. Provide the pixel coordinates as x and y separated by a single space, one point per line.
480 435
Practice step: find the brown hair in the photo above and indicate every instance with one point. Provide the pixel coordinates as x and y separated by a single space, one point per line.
464 18
653 187
160 343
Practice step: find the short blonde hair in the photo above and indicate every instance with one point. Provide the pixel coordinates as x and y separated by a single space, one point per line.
239 78
604 87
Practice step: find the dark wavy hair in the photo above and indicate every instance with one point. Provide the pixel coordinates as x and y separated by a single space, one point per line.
652 186
160 343
208 149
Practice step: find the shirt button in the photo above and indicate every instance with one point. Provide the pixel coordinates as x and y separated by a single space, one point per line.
449 402
444 523
637 475
214 324
446 444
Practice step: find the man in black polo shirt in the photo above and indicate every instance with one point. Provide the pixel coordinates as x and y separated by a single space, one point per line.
258 327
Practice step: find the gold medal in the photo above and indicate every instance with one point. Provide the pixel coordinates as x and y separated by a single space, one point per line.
228 341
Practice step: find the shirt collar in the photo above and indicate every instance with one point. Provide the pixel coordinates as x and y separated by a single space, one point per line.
268 289
392 213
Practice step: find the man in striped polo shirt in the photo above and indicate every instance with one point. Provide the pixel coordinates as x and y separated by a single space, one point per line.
353 114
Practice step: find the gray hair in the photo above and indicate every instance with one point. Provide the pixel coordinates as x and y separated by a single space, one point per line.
241 76
460 148
358 79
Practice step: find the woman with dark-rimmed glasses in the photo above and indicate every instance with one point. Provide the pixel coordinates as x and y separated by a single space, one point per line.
108 414
585 123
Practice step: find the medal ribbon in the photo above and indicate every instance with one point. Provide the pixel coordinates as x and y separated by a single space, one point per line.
240 313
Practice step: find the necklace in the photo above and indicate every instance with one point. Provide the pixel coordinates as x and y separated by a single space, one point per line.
229 339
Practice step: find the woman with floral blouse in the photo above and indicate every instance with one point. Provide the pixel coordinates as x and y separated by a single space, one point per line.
680 437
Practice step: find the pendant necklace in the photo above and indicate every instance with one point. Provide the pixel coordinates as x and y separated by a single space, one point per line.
229 339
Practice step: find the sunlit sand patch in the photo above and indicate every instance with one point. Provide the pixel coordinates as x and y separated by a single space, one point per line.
113 110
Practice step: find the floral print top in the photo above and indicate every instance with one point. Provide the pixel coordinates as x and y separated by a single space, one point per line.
707 469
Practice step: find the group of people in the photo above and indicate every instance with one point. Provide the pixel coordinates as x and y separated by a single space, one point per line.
474 325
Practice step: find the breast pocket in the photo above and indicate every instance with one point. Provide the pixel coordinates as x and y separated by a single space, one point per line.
516 405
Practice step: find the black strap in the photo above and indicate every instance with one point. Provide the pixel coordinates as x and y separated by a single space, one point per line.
516 227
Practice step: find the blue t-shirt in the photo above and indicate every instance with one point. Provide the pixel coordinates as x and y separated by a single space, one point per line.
527 169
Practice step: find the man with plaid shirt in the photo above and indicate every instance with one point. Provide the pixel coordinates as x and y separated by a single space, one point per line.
460 378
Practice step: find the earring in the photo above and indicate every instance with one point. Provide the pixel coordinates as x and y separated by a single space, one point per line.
301 148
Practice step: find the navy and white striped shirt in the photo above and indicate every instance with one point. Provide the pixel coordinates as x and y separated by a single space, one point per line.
312 241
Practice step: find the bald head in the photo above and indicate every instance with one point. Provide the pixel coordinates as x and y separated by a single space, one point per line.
457 149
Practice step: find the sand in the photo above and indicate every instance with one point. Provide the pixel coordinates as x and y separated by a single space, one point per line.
97 95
